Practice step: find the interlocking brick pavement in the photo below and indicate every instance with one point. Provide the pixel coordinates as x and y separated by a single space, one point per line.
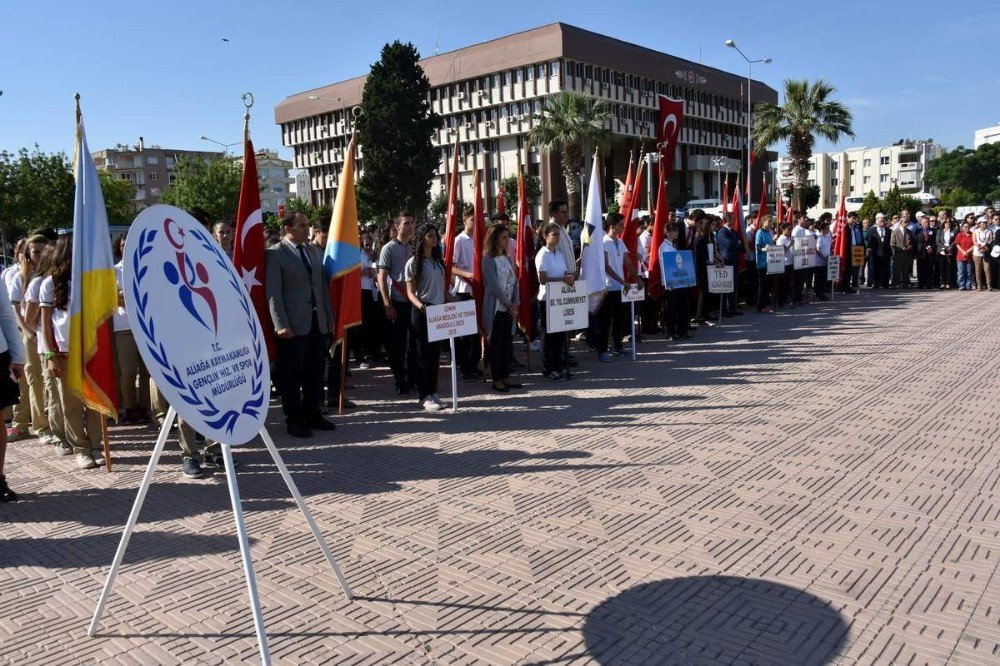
820 486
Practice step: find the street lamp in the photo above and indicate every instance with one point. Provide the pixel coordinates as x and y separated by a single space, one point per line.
225 146
750 63
718 161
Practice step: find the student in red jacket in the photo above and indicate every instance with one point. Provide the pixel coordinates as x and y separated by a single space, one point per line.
963 252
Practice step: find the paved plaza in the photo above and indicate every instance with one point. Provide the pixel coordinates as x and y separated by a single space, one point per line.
820 486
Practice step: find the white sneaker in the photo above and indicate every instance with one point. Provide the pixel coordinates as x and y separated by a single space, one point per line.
534 346
430 405
438 400
47 439
85 461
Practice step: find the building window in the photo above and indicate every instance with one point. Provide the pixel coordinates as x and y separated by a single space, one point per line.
554 68
152 175
834 166
152 160
834 182
884 178
506 78
866 180
529 72
884 161
867 163
517 75
137 161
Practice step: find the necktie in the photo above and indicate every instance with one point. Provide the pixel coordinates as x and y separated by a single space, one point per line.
305 262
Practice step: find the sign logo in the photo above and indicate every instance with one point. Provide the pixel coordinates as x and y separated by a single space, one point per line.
679 260
195 325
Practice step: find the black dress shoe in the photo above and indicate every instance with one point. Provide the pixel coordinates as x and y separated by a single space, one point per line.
319 423
298 430
511 384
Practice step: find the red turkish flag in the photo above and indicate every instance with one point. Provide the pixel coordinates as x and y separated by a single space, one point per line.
527 277
248 244
478 238
840 233
452 220
671 119
654 285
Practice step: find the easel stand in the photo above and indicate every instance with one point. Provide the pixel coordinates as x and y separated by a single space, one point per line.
234 496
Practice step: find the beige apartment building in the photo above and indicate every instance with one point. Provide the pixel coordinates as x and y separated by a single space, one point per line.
488 93
150 168
273 176
864 170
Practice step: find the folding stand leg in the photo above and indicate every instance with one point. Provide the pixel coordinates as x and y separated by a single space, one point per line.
241 532
109 582
269 443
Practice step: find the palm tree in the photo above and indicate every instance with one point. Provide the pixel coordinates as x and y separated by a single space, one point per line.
572 123
808 112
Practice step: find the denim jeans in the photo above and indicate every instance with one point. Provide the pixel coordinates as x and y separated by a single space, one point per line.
964 275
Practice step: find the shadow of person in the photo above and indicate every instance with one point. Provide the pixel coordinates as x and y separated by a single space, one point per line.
97 550
714 620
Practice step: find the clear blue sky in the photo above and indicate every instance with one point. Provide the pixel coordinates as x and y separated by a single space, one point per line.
916 69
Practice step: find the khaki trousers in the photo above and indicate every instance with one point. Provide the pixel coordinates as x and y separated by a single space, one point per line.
54 406
129 367
82 426
32 405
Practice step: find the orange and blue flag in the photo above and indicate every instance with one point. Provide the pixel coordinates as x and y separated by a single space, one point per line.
90 366
342 257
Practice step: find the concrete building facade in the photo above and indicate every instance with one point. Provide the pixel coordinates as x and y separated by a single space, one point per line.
864 170
986 135
149 168
275 181
488 94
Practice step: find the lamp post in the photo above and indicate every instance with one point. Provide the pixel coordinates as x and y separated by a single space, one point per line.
651 158
225 146
718 161
750 63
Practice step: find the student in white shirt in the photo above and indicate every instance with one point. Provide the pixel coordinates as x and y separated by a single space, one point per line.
823 245
611 315
31 409
81 425
551 267
12 359
372 317
133 378
468 351
784 241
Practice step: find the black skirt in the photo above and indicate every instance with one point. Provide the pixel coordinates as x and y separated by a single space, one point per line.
10 394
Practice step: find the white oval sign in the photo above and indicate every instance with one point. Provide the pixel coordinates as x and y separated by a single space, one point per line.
195 325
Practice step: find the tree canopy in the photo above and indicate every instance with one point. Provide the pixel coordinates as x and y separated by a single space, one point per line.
36 190
213 186
967 176
394 131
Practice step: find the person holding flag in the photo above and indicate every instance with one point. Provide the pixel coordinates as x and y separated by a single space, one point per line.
84 290
342 266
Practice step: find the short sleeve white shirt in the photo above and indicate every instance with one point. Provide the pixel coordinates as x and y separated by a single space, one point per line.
552 264
60 317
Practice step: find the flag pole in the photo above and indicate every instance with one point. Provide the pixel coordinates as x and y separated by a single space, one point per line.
107 444
343 373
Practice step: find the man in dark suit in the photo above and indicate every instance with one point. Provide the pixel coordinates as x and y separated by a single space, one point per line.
298 297
925 247
878 254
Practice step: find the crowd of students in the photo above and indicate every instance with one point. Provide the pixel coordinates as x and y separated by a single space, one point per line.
403 272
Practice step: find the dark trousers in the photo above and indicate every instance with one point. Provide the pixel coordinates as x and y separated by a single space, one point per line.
468 350
610 321
301 359
785 286
374 327
676 302
801 277
428 355
749 285
901 267
822 287
946 270
879 272
403 346
552 344
763 288
925 271
501 346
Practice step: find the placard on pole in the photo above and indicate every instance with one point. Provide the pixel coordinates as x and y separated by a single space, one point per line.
632 294
202 342
452 320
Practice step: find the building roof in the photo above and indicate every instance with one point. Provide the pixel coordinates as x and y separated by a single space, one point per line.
548 42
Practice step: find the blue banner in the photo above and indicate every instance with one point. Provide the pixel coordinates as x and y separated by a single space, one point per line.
677 269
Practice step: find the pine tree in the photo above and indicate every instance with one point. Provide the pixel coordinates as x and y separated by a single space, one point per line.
394 133
869 207
892 204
